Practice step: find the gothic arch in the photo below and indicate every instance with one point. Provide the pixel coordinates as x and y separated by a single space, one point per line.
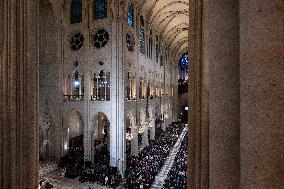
100 138
73 132
75 124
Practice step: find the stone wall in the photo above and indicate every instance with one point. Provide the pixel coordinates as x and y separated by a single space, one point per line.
57 60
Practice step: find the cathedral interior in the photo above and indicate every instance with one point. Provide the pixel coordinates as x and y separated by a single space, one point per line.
142 94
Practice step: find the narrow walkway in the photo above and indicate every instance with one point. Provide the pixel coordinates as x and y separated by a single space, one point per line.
161 177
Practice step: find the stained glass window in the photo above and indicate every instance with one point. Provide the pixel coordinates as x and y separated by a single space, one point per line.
162 58
100 9
130 41
142 35
183 63
76 11
77 41
157 49
150 44
100 39
130 15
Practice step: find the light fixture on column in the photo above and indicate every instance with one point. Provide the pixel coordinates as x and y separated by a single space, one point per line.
129 136
150 125
65 146
140 129
45 142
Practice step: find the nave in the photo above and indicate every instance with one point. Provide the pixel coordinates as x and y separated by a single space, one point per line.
152 168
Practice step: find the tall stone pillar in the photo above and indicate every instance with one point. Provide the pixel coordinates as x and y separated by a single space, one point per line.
145 141
153 128
19 95
214 95
198 121
134 142
224 120
261 93
88 133
117 122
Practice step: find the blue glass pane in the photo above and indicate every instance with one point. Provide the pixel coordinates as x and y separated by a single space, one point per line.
162 60
130 15
184 62
102 76
142 35
76 11
100 8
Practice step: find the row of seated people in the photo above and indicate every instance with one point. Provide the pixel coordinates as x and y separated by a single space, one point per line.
45 184
100 171
102 174
141 170
72 162
176 178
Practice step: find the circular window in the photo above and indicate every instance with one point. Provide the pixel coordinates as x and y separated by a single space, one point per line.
130 41
100 39
77 41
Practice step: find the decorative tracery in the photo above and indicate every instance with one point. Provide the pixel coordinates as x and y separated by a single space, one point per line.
142 35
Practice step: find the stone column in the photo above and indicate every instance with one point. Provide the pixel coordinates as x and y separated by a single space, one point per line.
153 129
214 138
134 142
117 121
195 92
19 95
261 93
145 141
223 57
87 132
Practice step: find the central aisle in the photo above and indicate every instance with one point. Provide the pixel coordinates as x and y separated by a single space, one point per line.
161 177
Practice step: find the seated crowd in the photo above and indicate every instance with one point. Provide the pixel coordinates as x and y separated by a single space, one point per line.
102 174
73 166
141 170
72 162
176 178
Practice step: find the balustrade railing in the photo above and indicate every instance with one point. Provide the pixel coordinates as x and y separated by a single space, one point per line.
73 97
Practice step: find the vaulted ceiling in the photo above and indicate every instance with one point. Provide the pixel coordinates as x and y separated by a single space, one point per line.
171 20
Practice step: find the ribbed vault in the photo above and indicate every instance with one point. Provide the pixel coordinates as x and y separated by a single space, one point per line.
170 18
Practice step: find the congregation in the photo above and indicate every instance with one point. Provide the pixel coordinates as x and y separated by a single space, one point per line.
141 170
176 178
